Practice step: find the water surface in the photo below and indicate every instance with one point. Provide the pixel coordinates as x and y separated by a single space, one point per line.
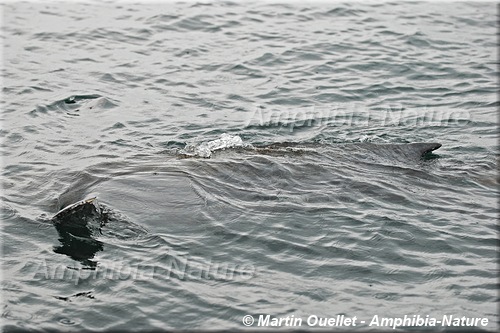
107 99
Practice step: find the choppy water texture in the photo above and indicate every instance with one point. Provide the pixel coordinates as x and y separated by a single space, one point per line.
121 101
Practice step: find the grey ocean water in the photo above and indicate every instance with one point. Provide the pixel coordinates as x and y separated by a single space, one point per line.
126 101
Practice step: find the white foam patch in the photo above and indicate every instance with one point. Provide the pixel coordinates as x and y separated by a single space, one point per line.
206 149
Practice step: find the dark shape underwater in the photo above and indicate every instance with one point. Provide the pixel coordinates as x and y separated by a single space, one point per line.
79 224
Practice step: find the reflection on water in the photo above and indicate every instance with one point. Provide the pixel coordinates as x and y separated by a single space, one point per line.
79 248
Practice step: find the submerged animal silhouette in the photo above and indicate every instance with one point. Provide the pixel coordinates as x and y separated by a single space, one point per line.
408 150
79 224
206 150
73 218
